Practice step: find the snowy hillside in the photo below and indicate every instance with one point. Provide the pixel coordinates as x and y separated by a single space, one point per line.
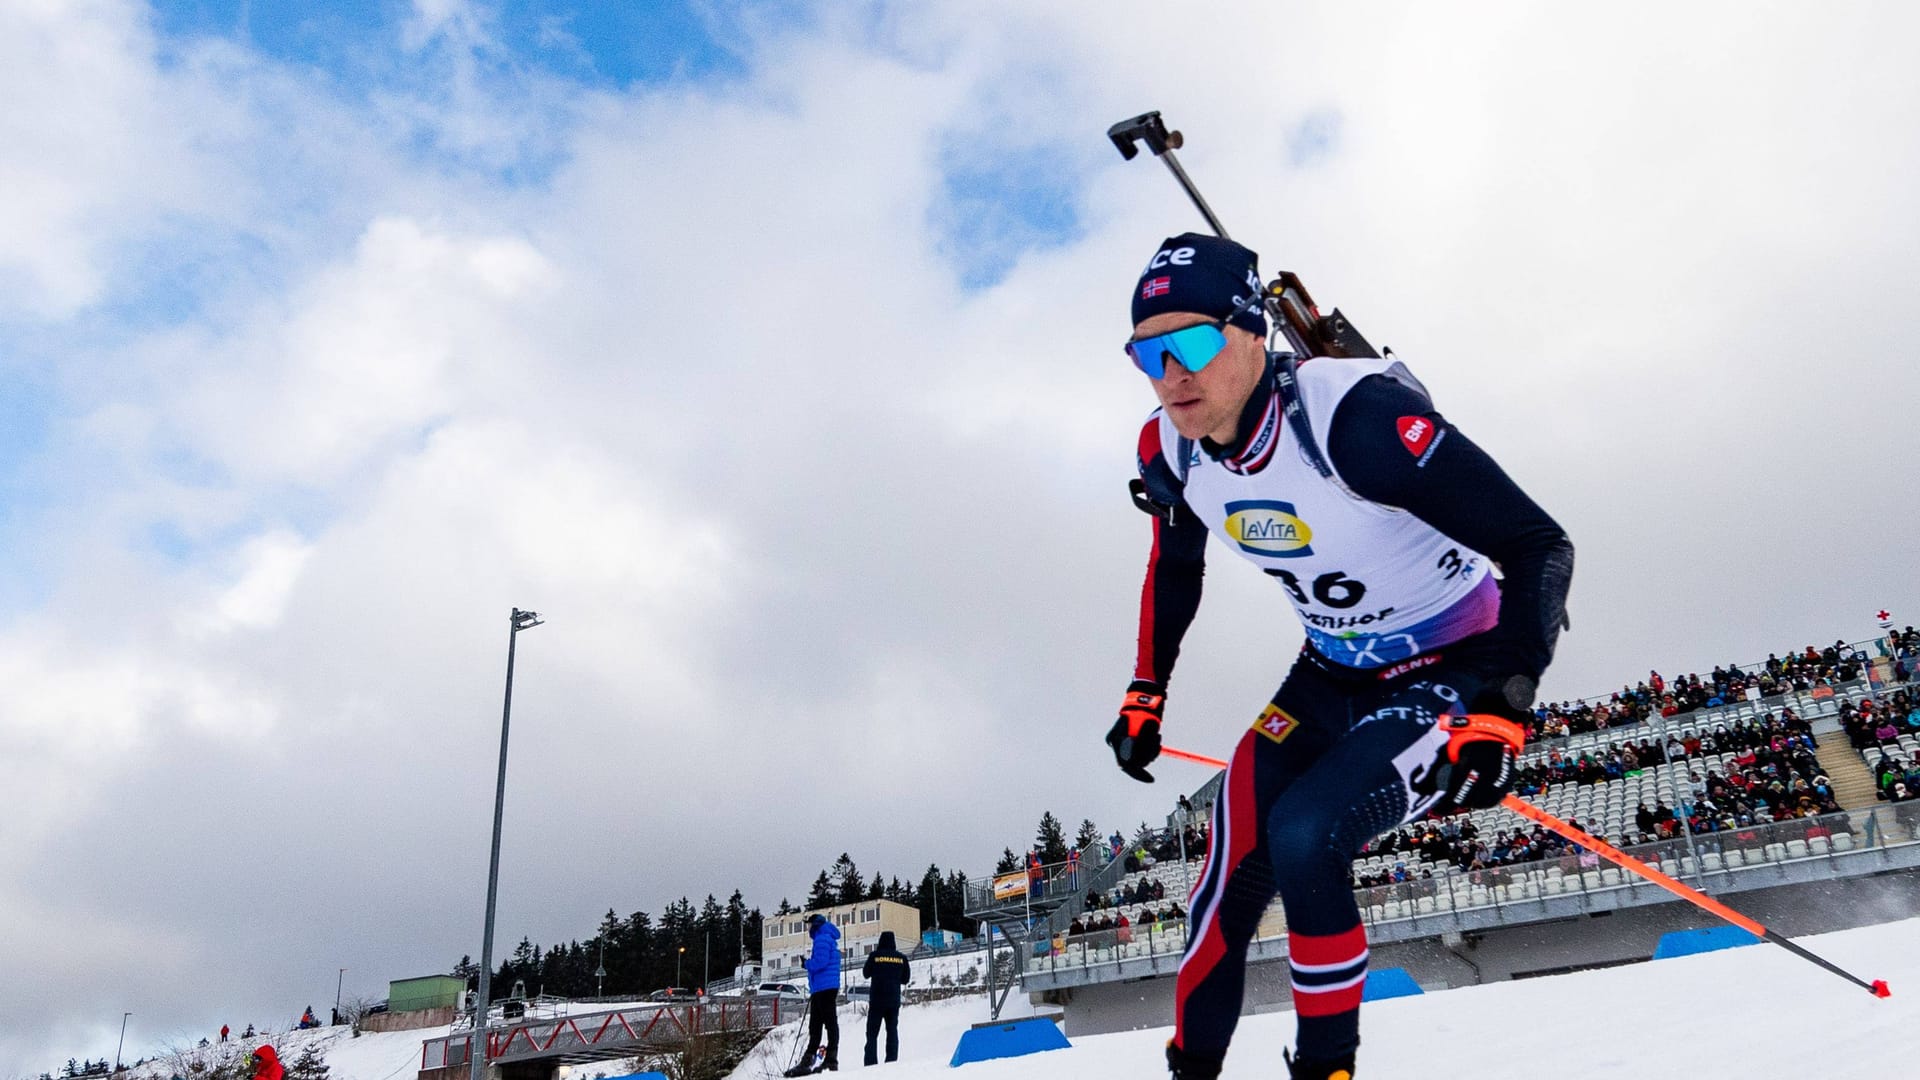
1753 1013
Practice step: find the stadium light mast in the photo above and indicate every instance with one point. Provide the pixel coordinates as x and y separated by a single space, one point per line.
477 1050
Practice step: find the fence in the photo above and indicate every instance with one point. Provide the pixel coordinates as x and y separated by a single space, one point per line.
1829 846
613 1033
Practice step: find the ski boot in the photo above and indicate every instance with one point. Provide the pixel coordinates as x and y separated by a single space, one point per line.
1185 1066
1301 1069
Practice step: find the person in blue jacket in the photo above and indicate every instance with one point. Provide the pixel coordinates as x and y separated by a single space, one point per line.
823 983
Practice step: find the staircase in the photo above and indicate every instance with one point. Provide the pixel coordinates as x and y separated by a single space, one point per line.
1852 780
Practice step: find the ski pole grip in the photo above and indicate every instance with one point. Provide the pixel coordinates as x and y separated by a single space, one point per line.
1148 128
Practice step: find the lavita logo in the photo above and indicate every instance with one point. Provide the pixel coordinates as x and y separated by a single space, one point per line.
1268 527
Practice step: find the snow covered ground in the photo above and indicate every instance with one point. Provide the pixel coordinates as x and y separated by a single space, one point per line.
1754 1013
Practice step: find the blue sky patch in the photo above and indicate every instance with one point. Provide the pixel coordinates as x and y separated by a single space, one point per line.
1315 138
614 44
994 209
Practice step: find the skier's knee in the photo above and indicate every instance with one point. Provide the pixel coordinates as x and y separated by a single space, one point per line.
1305 852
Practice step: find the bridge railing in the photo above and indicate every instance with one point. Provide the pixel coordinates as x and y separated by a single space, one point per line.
600 1033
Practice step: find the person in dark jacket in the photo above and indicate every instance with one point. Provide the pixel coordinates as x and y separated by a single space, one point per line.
823 984
887 971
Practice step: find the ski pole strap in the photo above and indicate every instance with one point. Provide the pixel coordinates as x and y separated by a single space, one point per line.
1294 408
1480 727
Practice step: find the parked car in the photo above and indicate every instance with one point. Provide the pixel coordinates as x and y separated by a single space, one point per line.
675 995
782 990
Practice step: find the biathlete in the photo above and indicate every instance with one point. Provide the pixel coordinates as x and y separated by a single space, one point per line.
1383 529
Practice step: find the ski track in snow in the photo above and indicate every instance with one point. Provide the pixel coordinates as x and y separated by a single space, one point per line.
1752 1013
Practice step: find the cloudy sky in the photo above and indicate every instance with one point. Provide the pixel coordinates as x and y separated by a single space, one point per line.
770 351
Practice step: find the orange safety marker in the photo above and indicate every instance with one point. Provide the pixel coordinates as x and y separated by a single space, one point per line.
1878 987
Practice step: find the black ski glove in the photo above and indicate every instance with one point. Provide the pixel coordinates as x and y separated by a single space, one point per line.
1480 763
1135 737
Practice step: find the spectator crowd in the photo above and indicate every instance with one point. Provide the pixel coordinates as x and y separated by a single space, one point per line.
1800 671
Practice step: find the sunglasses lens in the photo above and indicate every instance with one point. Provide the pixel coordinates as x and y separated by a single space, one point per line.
1192 347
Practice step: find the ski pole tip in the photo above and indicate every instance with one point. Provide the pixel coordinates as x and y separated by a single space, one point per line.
1879 988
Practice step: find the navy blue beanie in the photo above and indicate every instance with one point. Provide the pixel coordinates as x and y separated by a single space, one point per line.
1202 274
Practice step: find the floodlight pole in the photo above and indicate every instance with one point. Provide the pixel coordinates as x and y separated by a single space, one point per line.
123 1041
477 1049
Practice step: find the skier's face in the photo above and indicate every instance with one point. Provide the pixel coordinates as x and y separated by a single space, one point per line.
1207 402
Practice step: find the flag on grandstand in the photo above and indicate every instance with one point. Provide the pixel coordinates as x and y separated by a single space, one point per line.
1885 617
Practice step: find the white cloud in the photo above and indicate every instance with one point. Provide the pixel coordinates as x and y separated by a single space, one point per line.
256 601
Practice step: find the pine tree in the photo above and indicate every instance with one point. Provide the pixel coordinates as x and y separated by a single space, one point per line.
953 904
927 898
736 933
1050 839
756 928
1009 862
309 1065
877 889
823 894
1089 834
846 875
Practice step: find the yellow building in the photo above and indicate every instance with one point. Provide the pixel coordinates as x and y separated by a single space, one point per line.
785 944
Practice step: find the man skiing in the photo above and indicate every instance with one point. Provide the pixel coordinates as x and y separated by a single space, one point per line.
823 1004
1382 526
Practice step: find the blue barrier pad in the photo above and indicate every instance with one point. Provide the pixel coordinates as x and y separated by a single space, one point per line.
640 1076
1011 1039
1689 942
1386 983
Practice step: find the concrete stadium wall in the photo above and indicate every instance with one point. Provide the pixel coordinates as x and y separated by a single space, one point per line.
1593 940
409 1020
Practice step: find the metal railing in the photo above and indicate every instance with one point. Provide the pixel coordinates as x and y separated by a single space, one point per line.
1054 882
611 1033
1724 860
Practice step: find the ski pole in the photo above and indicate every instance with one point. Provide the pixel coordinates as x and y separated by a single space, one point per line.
1878 987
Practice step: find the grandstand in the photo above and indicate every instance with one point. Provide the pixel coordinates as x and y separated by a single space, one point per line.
1762 795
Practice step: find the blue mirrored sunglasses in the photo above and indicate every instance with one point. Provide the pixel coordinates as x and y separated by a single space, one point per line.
1192 347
